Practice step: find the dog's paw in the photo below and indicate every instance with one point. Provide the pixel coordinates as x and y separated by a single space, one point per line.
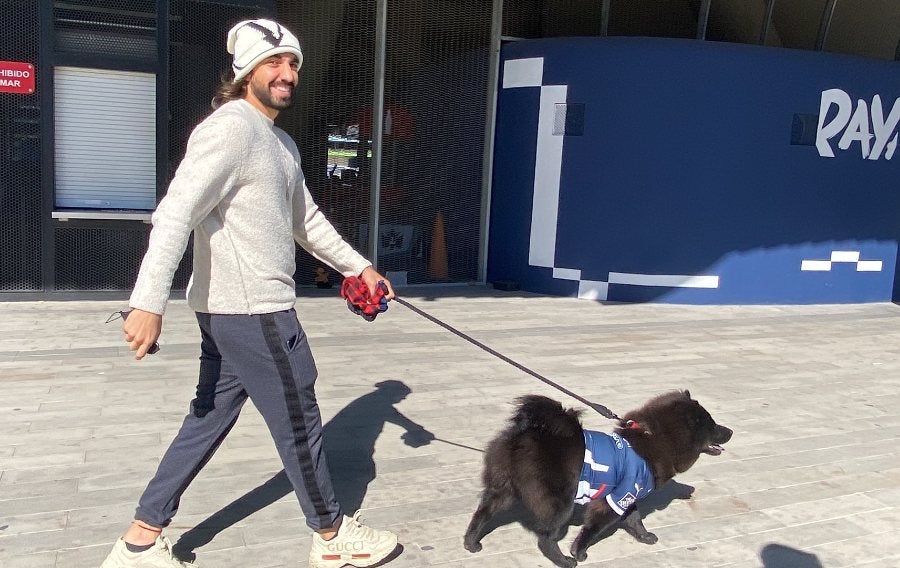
567 562
687 493
473 546
579 556
647 538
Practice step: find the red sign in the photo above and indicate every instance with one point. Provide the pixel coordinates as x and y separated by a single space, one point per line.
16 77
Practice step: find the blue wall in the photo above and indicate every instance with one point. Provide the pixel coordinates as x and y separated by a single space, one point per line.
693 174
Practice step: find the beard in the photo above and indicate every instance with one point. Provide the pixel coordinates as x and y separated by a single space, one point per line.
265 96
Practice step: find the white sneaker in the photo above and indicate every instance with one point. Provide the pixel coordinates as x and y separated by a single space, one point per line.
355 544
159 556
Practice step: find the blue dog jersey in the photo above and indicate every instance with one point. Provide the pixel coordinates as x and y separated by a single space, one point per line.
613 470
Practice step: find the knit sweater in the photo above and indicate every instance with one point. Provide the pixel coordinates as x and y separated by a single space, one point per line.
241 191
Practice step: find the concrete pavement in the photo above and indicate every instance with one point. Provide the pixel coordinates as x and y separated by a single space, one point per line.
810 479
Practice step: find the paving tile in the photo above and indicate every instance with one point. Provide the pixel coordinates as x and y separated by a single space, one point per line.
812 392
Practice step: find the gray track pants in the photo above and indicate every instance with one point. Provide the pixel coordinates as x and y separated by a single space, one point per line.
267 358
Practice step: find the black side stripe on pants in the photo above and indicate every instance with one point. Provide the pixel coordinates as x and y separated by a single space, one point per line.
295 413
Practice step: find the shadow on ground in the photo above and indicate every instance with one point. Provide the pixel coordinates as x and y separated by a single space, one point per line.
780 556
656 501
349 446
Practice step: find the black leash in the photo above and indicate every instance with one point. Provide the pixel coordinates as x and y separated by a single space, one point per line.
607 413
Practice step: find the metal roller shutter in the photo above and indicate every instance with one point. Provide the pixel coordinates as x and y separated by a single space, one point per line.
105 130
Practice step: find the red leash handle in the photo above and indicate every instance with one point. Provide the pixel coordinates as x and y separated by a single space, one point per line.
360 300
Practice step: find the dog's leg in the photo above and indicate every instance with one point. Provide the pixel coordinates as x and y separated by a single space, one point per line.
551 531
634 525
492 502
598 517
550 548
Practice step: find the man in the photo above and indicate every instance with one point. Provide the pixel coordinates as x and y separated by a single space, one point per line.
241 191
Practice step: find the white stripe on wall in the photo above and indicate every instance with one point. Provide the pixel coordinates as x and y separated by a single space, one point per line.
845 256
667 280
566 273
869 266
593 290
547 170
816 265
523 72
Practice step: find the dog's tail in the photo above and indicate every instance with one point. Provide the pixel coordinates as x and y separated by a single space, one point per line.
536 412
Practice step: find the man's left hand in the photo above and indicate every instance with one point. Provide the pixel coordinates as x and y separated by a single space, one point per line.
372 278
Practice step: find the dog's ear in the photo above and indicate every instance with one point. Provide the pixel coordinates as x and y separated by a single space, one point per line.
687 393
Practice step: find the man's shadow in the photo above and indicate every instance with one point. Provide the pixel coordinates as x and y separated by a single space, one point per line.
349 440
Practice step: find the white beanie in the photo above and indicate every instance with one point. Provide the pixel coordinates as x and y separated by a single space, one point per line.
251 41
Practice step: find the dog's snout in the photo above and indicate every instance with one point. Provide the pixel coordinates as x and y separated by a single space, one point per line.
722 434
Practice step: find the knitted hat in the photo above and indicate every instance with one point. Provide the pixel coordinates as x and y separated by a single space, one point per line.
251 41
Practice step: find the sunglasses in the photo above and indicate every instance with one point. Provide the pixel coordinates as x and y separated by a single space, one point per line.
124 315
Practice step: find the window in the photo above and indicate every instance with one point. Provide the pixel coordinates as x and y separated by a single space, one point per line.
105 128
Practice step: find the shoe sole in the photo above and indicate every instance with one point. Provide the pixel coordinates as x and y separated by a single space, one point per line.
359 561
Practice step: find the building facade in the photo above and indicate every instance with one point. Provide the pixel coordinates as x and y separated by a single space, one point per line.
394 119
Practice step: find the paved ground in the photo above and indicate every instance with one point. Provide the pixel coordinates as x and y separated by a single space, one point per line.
810 479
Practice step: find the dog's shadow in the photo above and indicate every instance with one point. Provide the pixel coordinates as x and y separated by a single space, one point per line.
780 556
349 439
656 501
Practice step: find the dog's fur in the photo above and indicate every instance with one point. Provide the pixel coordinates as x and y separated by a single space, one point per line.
537 462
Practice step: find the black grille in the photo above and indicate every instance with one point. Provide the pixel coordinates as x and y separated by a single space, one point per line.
118 28
20 155
522 19
104 258
98 258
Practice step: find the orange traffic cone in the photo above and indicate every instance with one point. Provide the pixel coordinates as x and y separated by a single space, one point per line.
437 262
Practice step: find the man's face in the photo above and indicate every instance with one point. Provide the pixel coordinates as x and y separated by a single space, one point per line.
272 83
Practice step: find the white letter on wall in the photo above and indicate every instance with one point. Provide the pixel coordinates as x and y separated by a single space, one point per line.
826 132
858 130
883 128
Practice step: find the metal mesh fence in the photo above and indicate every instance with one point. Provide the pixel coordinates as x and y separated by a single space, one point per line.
565 18
435 101
334 95
20 155
198 60
98 258
522 19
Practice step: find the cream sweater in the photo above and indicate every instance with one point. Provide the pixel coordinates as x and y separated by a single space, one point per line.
241 191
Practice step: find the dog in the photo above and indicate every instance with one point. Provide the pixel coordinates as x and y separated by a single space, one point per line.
548 463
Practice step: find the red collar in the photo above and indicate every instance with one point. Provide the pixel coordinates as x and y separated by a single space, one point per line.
633 425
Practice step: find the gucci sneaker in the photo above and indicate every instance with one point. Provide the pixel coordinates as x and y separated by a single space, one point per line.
355 544
159 556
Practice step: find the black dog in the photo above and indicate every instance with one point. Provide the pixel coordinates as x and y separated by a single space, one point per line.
541 458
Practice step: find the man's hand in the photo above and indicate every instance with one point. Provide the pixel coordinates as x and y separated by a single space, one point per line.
142 329
371 277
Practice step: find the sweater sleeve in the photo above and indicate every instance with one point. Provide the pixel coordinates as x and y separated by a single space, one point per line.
319 237
209 170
